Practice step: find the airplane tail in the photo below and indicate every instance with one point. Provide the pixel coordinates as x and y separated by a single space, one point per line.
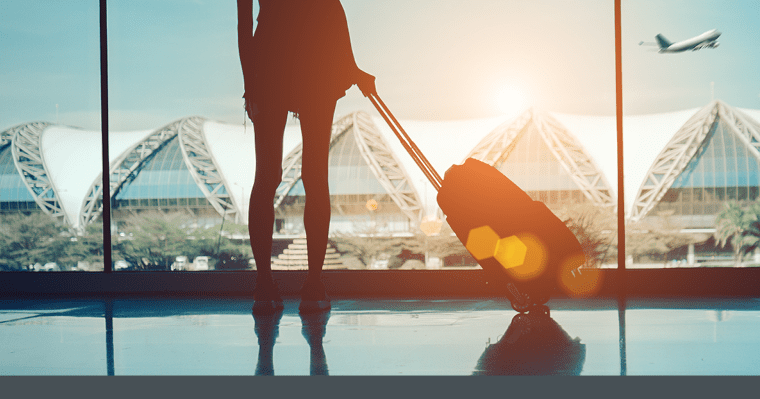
662 41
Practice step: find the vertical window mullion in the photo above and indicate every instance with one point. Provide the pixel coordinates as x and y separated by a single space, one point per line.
619 123
106 170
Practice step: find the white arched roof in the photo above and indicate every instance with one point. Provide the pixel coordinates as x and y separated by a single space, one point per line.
72 160
444 143
644 136
238 162
72 155
447 142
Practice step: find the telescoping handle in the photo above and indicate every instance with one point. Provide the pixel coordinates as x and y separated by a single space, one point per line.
406 141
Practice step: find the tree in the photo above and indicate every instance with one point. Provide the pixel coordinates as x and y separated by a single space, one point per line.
153 240
368 244
658 236
740 226
441 245
596 231
27 240
230 253
85 245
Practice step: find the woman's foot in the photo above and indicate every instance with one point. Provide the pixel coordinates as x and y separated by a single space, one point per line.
266 297
313 297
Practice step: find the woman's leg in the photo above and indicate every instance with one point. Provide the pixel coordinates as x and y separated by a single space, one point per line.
269 127
316 128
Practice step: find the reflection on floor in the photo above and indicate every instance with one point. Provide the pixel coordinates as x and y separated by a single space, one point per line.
379 337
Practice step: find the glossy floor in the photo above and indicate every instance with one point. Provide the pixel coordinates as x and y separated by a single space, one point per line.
379 337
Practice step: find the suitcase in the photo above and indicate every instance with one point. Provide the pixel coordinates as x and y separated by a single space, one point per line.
520 244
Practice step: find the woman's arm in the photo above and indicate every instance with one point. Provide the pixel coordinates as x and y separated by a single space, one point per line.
245 31
363 80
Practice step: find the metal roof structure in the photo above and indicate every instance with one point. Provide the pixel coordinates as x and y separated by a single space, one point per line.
60 165
686 148
375 153
496 148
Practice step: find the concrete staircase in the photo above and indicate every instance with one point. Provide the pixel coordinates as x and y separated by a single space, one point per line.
294 257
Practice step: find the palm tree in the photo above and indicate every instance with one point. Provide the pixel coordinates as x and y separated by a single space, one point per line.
740 227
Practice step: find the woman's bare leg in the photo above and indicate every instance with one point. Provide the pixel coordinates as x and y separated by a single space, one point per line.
269 127
316 128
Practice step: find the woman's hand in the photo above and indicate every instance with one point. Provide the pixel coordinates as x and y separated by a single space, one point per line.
366 83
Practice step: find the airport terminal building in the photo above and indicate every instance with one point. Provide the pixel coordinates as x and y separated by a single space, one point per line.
681 166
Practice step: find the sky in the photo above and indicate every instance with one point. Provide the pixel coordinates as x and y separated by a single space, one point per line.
433 59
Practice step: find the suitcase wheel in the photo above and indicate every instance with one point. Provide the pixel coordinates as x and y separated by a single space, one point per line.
522 307
529 304
541 310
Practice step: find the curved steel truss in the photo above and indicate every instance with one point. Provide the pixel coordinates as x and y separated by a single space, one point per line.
496 147
684 145
204 169
26 147
375 151
291 165
6 136
386 167
124 169
197 157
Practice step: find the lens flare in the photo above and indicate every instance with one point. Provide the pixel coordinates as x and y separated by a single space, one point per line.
481 242
536 257
510 100
510 252
431 225
577 281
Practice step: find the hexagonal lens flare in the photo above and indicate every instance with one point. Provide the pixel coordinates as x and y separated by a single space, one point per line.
523 256
481 242
534 261
510 252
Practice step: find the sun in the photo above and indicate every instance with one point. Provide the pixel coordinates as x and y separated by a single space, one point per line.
510 100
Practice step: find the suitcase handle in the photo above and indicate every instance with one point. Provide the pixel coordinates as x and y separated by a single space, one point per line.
406 141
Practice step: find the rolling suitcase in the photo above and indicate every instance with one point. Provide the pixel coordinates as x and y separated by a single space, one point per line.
520 244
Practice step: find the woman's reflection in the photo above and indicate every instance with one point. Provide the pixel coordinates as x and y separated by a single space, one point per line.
534 344
266 327
314 327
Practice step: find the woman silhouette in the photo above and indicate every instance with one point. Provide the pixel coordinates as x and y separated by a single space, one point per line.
299 60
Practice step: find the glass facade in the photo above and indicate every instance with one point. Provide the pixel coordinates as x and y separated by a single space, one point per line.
724 169
164 177
353 187
349 173
14 195
531 165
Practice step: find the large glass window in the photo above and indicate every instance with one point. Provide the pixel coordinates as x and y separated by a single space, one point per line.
465 82
49 135
181 150
181 158
691 165
180 147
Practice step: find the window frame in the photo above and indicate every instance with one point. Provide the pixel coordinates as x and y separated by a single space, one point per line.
615 282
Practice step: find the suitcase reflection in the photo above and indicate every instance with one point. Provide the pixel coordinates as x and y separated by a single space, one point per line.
534 344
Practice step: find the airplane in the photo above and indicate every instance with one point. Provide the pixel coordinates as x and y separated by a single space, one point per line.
705 40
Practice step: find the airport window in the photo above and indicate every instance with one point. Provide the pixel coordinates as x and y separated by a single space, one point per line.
712 129
157 82
51 105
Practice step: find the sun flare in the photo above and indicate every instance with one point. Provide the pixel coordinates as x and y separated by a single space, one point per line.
511 100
